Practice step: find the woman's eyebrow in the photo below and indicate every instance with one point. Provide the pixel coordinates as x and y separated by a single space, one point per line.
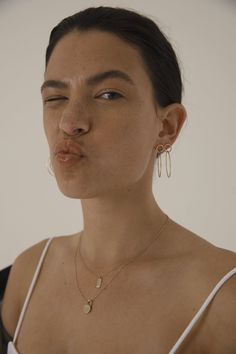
92 80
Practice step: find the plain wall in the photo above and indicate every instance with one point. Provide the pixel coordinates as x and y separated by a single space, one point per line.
200 194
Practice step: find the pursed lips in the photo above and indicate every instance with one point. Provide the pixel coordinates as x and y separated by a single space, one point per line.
68 147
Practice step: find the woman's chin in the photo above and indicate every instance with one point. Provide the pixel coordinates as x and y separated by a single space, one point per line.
76 192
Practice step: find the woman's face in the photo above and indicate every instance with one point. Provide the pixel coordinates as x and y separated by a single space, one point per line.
118 129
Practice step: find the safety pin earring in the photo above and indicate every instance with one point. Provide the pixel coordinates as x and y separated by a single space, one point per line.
160 149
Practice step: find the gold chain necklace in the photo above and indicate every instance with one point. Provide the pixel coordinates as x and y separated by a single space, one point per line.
89 302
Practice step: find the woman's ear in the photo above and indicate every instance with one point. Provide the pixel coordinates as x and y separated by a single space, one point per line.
173 117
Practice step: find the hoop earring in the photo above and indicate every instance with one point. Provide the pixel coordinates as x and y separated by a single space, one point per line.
167 148
49 167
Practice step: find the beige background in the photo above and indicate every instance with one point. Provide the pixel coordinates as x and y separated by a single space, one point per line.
201 193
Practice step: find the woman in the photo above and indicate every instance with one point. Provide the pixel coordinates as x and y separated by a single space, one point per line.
112 105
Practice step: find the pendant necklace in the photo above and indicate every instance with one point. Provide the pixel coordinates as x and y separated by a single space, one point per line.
88 306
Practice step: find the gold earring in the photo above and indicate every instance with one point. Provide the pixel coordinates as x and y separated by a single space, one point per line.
167 148
159 149
49 167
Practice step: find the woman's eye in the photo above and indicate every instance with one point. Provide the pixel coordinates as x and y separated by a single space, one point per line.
112 93
54 99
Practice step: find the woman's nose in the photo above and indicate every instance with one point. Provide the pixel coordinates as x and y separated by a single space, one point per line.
73 121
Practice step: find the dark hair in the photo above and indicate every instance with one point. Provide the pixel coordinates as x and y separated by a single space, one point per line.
141 32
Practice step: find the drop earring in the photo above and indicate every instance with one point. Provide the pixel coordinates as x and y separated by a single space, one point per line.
160 149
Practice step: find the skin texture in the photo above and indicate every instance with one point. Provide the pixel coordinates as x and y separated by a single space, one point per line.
114 182
150 303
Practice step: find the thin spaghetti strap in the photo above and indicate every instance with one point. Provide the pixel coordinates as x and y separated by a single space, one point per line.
31 289
201 310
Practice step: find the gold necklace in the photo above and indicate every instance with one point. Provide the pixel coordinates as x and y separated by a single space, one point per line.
87 308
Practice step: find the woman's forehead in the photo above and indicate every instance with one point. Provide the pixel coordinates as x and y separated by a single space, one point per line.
82 44
95 51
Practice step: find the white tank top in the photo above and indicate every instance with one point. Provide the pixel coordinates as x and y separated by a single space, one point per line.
11 349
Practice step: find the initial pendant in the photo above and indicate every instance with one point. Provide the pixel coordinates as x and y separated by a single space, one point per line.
88 307
99 282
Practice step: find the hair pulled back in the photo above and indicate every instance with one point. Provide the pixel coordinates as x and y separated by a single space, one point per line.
160 60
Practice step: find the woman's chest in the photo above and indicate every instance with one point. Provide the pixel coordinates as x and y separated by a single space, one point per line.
142 315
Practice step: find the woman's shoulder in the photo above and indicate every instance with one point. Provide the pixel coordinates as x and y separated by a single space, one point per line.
26 262
216 269
200 260
17 282
20 278
186 241
204 266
